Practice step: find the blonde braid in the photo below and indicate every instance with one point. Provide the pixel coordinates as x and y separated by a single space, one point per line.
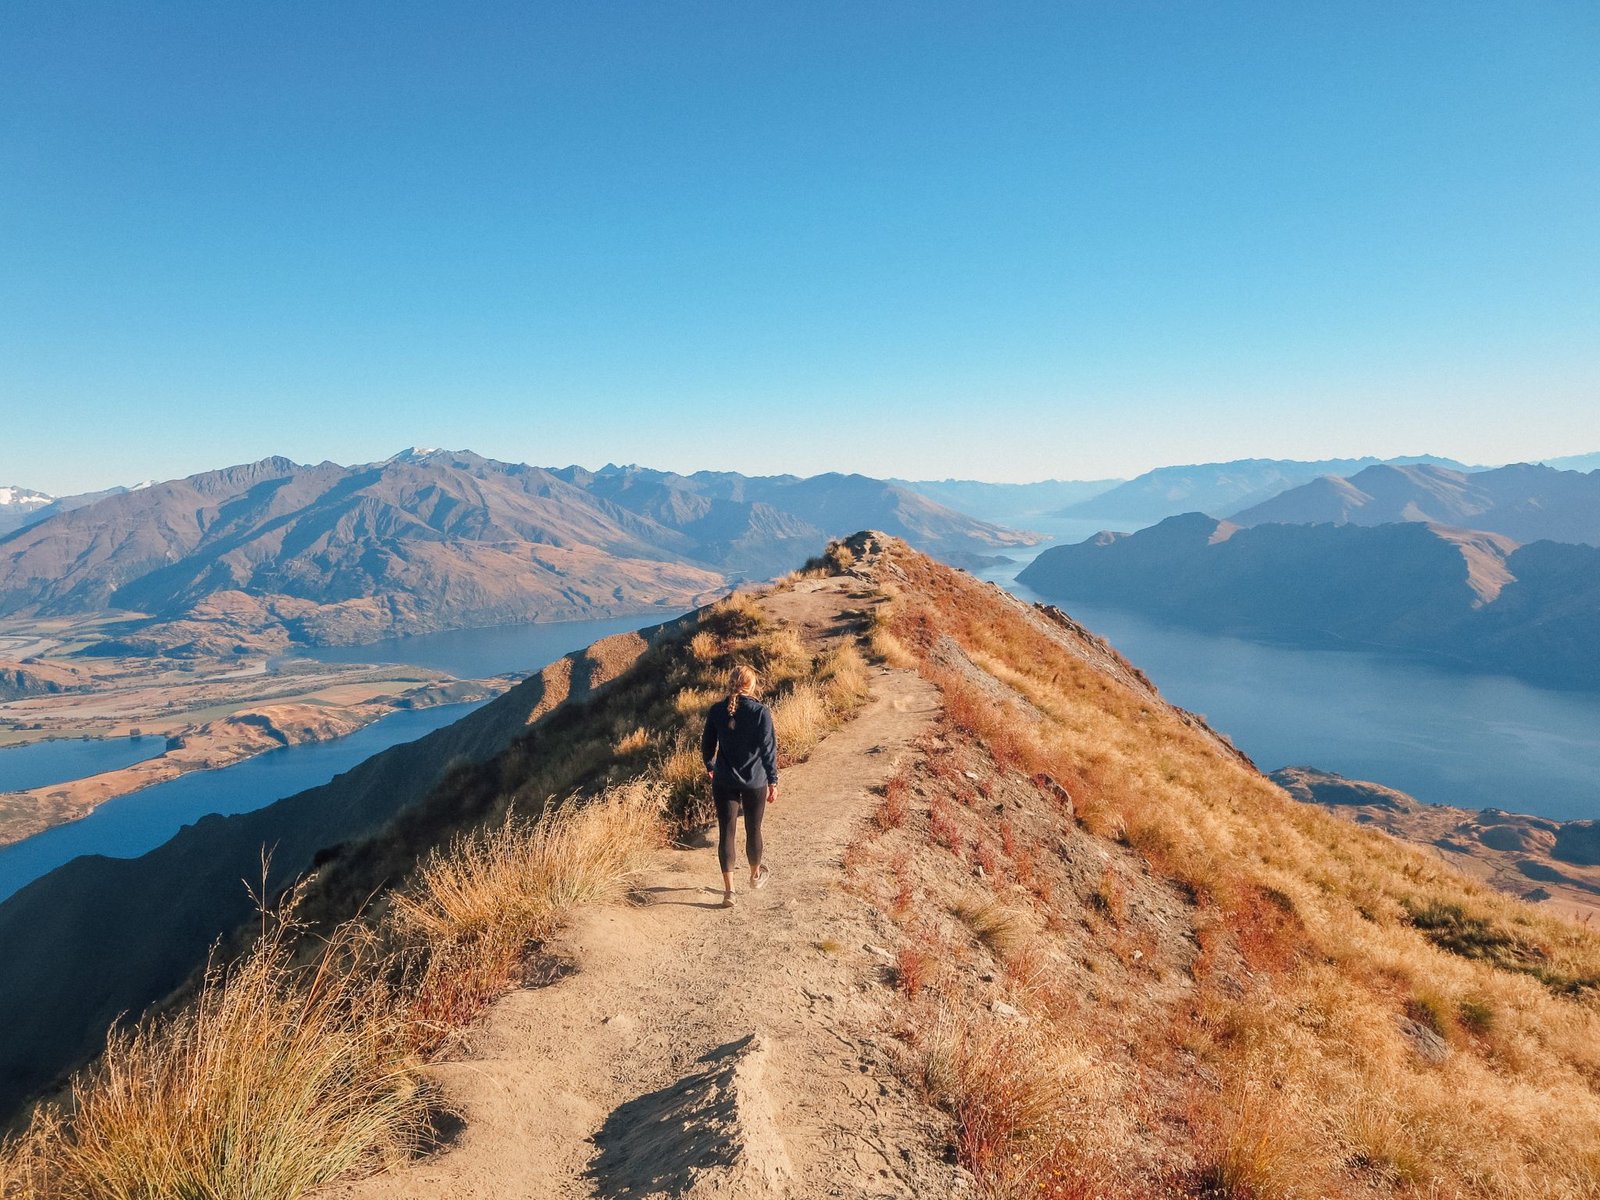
741 681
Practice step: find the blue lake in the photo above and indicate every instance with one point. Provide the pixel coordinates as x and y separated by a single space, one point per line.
1447 737
133 824
479 653
41 764
140 821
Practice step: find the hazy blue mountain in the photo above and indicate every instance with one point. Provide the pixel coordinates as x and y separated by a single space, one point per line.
18 506
1574 462
1522 501
1471 598
1218 488
1008 503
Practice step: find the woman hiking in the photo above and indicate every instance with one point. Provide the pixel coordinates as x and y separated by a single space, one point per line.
741 757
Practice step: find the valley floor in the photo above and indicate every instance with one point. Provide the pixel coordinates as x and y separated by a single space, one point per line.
214 712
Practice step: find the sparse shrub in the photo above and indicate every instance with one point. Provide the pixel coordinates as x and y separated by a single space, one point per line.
1110 896
914 965
843 675
1476 1014
905 890
942 829
839 558
800 719
1008 839
632 742
1008 1093
889 649
705 646
1003 930
1257 1149
892 811
695 701
1449 926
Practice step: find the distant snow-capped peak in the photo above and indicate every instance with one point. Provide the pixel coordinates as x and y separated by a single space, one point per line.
23 497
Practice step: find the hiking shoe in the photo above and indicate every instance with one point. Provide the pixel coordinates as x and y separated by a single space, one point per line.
761 879
727 899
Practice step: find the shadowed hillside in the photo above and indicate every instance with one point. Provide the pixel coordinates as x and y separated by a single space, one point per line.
1459 597
103 936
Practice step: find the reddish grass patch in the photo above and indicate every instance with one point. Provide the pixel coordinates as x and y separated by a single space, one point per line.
895 806
942 828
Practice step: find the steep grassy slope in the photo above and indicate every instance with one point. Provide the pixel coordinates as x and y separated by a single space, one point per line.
103 936
1134 967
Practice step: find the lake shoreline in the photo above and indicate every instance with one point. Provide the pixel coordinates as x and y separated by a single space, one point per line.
217 745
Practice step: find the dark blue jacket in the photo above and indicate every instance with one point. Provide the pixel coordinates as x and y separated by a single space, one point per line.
743 747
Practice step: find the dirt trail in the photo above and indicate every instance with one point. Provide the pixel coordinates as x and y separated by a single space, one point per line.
704 1052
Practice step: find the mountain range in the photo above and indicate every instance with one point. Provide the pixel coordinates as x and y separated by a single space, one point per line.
274 551
1522 501
1466 597
1008 503
21 507
1219 488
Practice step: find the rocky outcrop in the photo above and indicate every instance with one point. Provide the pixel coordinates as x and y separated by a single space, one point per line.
36 679
1543 861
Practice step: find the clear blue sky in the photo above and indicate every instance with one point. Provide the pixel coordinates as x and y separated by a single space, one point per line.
1003 241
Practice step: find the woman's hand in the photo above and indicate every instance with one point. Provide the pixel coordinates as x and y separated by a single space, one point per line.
772 793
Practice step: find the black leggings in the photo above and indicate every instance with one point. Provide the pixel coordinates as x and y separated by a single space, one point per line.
730 798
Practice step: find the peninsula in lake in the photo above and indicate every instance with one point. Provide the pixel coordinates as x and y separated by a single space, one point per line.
1461 597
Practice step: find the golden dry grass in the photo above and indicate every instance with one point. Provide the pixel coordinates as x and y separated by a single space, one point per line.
279 1078
475 907
1004 930
295 1067
1317 943
283 1075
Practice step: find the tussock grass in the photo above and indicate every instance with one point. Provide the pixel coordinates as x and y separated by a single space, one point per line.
286 1073
634 741
477 905
800 719
279 1078
1013 1094
1002 929
528 876
1313 944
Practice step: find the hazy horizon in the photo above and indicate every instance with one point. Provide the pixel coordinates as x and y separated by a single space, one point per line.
553 464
